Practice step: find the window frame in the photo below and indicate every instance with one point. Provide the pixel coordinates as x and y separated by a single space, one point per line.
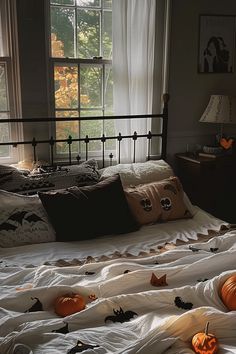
95 61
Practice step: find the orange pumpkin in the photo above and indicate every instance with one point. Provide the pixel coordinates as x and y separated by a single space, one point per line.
228 293
204 342
68 304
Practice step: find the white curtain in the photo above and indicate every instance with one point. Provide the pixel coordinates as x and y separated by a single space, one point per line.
133 65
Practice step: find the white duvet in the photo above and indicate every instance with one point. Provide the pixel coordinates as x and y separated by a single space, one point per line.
129 315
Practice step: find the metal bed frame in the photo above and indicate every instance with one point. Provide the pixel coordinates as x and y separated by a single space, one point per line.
135 136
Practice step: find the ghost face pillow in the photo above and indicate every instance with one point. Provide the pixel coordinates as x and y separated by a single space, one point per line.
158 201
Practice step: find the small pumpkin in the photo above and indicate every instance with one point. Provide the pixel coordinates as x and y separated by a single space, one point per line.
68 304
228 293
204 342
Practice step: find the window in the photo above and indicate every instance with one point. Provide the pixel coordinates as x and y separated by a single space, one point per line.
9 106
81 71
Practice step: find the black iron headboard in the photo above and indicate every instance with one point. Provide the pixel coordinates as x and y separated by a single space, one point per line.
135 136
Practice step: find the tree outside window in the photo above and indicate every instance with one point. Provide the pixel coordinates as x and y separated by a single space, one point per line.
81 54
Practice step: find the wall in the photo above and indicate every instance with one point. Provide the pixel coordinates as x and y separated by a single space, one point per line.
33 70
190 90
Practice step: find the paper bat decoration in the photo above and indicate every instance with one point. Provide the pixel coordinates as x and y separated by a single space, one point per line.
89 273
155 281
33 217
5 226
18 216
121 316
182 305
80 347
37 306
63 329
126 271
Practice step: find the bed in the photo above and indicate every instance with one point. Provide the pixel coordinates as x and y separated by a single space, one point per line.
149 290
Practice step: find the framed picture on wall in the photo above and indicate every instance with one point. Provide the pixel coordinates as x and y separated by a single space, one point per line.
216 44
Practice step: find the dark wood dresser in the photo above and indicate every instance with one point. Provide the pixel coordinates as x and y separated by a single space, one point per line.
210 183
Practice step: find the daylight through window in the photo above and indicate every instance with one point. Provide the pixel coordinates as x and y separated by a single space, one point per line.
81 56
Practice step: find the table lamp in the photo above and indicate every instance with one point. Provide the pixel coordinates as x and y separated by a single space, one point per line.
221 110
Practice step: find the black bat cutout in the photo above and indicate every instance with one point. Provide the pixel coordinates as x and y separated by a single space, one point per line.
18 216
182 305
214 249
37 306
202 280
126 271
80 347
6 226
121 316
89 273
33 217
63 330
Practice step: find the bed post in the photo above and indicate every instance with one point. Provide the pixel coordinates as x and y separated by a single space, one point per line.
165 125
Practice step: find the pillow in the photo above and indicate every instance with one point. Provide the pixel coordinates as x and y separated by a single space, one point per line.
139 173
23 220
13 180
85 212
158 201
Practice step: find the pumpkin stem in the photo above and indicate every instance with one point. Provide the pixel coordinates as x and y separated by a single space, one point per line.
206 328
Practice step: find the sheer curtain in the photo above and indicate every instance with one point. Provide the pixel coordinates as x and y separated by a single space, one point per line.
133 65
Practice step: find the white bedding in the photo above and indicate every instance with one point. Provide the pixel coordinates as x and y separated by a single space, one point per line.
156 325
146 239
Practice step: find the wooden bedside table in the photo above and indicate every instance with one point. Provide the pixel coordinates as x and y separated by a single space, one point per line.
210 183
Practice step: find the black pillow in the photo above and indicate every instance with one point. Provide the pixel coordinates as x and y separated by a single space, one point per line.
85 212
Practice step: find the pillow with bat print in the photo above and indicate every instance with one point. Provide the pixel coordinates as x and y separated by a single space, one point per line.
158 201
23 220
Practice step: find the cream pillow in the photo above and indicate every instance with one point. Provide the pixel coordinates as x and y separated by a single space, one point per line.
139 173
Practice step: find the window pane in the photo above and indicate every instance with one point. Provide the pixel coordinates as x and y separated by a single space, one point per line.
109 125
66 86
3 89
107 35
108 91
4 136
88 33
92 129
65 129
62 2
109 130
62 32
91 86
107 4
88 3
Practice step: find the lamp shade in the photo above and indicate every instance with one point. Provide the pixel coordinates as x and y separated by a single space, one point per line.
220 109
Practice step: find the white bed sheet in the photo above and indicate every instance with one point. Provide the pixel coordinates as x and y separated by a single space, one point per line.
155 325
146 239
